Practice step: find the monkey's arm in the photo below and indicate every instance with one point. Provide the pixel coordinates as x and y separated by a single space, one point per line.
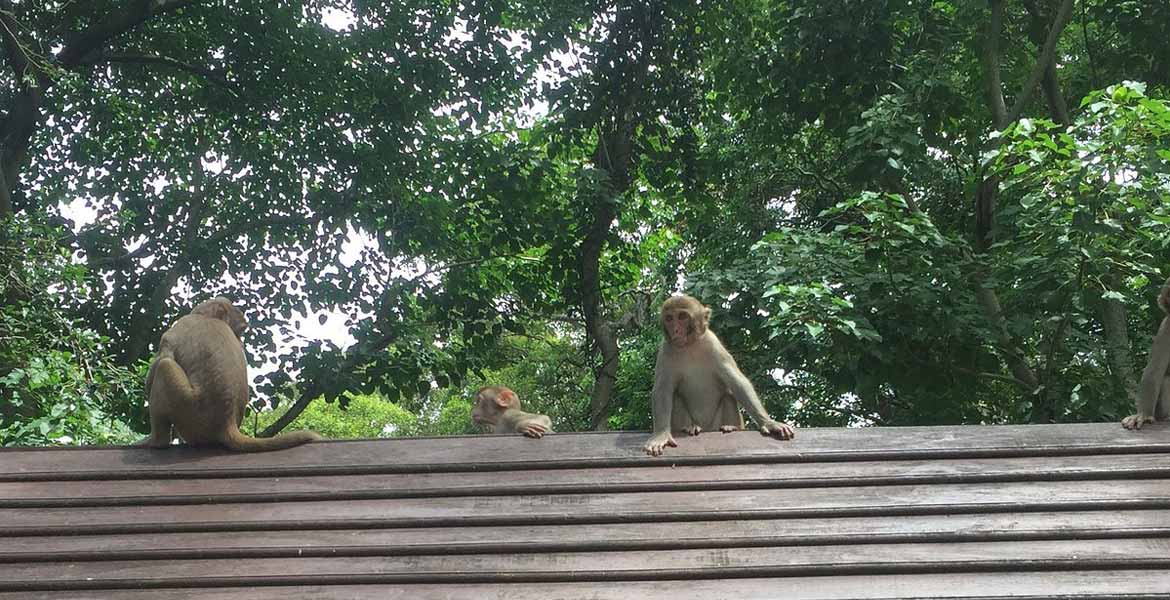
739 386
528 424
1152 379
150 376
662 401
534 426
149 382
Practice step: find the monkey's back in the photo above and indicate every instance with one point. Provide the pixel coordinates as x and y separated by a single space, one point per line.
213 359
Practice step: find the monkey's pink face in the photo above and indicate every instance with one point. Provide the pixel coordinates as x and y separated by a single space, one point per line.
480 413
679 326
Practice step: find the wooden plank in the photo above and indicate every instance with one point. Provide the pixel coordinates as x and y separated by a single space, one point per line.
596 508
148 492
583 538
1082 585
804 561
487 453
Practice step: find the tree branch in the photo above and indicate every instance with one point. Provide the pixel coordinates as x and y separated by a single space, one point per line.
18 59
138 252
990 59
313 390
993 377
5 198
1048 82
145 59
25 114
1046 57
133 14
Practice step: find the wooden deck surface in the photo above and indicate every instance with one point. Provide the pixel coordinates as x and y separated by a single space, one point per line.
1049 511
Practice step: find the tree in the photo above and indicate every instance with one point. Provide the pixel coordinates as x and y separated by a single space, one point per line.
885 203
58 382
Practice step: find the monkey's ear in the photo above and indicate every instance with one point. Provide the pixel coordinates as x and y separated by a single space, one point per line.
505 399
235 319
704 319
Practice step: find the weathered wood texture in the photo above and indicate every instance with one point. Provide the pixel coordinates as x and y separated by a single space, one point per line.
1050 511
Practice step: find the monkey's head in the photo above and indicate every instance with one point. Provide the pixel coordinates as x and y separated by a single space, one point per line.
221 308
490 401
684 320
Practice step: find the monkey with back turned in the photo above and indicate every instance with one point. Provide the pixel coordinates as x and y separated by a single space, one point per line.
198 384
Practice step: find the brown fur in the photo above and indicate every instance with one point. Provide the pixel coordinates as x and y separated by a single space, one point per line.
1153 401
198 384
499 407
697 385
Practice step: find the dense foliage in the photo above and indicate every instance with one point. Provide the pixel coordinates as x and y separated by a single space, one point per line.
900 212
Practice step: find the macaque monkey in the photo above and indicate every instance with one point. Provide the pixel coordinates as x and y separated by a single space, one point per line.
697 384
500 407
198 384
1153 401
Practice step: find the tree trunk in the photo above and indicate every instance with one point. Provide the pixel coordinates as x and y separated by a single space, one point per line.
5 198
591 307
986 193
1115 321
632 33
1011 353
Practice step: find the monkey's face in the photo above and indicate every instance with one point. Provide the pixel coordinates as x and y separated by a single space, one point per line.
484 412
684 319
490 401
679 327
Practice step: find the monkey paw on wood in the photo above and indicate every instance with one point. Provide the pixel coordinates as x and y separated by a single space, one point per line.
655 445
778 430
532 430
1135 422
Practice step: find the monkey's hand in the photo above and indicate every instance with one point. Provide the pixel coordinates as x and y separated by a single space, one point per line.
532 430
657 442
693 430
778 430
1135 422
728 428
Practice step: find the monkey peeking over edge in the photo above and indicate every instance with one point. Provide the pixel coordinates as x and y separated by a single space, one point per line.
500 407
198 384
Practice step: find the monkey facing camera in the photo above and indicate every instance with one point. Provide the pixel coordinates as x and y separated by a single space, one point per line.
708 397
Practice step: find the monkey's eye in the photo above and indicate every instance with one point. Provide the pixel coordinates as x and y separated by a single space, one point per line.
669 318
684 316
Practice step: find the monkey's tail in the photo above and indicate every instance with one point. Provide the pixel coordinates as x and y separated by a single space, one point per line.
236 440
